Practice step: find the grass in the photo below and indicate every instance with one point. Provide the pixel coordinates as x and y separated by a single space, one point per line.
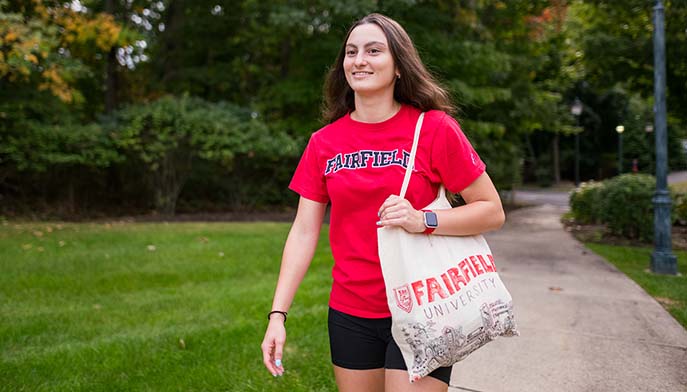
123 306
680 187
670 291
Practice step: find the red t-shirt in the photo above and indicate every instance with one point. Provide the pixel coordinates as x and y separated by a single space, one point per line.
357 166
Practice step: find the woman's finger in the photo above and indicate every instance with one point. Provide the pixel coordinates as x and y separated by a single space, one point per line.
267 357
390 201
399 208
278 357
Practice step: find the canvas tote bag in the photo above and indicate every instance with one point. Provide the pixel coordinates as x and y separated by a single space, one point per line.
445 296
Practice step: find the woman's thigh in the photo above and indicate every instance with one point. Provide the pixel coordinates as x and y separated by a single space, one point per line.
353 380
397 380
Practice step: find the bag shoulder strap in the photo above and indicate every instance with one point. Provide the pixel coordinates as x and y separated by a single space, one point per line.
413 151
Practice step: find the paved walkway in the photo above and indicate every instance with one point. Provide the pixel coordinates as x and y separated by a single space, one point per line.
674 177
584 325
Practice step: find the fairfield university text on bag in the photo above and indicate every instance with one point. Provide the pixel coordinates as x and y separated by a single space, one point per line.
445 296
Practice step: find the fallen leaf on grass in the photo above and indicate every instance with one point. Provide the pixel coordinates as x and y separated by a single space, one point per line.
48 229
221 254
97 306
667 302
182 344
38 233
26 246
40 249
61 243
151 248
203 240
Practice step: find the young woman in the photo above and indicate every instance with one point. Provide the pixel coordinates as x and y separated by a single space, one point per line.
374 94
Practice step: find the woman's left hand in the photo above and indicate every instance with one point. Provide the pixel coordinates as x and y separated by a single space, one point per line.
396 211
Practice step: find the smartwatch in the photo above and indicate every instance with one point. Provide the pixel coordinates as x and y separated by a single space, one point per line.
431 221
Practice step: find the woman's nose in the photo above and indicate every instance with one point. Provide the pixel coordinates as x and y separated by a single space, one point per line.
360 59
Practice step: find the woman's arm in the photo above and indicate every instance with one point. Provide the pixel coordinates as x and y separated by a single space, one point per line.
298 252
482 212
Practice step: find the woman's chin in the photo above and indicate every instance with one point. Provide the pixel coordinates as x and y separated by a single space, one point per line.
364 89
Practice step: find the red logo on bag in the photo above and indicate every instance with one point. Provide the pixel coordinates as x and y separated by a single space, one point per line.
403 300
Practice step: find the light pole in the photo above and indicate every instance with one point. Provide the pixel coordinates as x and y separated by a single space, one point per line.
620 129
576 110
663 261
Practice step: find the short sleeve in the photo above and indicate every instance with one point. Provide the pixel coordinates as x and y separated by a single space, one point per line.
308 180
453 159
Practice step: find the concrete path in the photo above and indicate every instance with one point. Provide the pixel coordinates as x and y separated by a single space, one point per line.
541 197
559 198
675 177
584 325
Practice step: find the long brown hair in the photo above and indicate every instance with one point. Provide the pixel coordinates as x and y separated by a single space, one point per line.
416 87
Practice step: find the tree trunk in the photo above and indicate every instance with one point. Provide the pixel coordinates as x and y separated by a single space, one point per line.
111 69
285 57
172 40
556 159
169 179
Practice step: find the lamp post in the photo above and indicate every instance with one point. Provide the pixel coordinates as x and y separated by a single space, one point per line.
663 261
576 110
620 129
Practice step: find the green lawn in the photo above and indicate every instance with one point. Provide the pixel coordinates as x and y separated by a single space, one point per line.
670 291
125 306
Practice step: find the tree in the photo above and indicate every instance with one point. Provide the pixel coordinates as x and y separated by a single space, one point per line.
169 134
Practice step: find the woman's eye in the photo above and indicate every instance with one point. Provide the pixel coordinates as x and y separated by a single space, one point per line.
350 53
375 51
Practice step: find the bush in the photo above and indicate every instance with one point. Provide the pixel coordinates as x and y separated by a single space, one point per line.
680 208
169 136
627 206
586 202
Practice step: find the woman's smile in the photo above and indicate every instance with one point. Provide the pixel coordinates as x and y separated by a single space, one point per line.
368 64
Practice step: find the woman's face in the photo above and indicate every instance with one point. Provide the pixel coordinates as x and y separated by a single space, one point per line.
368 64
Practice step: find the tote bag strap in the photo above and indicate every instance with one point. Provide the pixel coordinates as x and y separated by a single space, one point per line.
411 160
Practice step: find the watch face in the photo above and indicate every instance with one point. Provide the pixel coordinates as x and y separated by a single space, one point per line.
431 219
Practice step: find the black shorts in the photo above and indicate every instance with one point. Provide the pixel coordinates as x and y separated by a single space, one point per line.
363 343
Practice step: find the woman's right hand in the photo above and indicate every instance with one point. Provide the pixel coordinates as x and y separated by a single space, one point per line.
273 345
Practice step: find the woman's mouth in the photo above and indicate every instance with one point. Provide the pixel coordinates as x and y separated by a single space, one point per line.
361 74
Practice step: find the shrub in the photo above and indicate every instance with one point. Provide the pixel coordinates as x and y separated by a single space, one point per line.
586 202
680 208
169 136
627 208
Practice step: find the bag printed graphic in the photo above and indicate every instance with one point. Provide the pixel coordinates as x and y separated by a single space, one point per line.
445 295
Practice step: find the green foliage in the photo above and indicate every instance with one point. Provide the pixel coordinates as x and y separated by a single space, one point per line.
513 67
627 206
586 202
499 154
680 208
624 203
41 146
167 135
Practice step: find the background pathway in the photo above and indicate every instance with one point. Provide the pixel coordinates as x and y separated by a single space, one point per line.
584 325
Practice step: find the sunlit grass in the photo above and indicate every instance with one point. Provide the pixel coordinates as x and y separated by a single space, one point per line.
679 187
154 307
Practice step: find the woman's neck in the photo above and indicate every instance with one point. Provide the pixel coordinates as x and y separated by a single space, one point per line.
374 109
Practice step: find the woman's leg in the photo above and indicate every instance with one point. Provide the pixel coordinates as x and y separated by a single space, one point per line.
397 380
396 376
357 352
349 380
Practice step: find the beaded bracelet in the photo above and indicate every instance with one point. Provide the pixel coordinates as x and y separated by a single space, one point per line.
277 311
